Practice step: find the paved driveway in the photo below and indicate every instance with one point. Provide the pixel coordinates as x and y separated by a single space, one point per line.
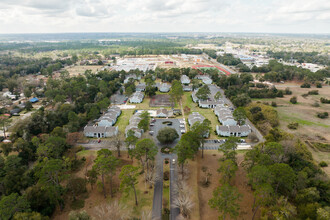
159 124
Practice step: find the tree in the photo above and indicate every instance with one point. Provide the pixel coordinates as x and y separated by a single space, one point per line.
227 169
202 130
117 141
241 100
203 92
176 92
167 135
9 205
28 106
91 177
50 173
29 215
240 115
144 123
145 151
106 164
229 149
225 200
27 92
128 177
184 151
259 175
131 139
294 100
218 95
76 186
263 196
284 177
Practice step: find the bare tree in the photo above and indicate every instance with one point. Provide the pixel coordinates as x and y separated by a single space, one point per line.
114 210
146 215
183 199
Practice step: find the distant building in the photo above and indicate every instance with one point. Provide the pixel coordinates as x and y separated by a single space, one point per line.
162 113
104 126
164 87
187 88
233 130
134 125
207 80
34 100
225 115
141 87
100 131
185 79
137 97
210 103
195 117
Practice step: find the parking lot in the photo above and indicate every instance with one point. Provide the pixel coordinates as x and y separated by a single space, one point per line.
161 123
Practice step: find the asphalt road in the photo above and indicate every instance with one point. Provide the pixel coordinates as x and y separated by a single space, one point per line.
158 189
174 211
158 186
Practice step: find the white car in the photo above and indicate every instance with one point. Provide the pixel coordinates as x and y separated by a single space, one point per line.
173 161
183 131
181 126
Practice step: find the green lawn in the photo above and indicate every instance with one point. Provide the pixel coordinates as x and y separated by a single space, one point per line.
123 119
207 113
294 118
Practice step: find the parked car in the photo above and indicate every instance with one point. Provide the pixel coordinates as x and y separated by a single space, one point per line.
99 141
152 124
151 133
173 161
181 125
183 131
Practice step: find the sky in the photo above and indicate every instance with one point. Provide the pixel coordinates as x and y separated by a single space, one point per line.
63 16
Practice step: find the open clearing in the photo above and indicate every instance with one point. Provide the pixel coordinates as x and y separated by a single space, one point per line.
79 70
310 127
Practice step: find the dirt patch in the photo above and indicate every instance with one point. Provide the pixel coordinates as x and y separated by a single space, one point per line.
205 193
160 101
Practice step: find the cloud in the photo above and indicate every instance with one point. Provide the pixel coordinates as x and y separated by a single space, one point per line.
164 15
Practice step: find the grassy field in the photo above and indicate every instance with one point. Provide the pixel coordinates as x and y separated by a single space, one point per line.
207 113
310 127
123 119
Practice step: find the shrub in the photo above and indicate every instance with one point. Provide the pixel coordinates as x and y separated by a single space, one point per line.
294 100
316 104
318 85
288 91
322 115
323 164
313 92
305 85
274 104
166 175
293 125
304 95
324 100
